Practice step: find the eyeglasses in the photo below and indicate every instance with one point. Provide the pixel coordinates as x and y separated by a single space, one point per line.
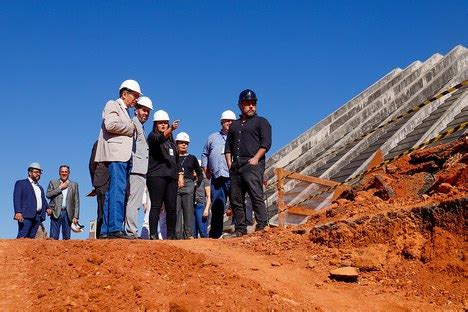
136 95
182 142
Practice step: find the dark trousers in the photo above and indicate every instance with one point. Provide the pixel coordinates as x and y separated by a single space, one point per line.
28 228
100 198
185 214
60 222
162 190
220 188
248 179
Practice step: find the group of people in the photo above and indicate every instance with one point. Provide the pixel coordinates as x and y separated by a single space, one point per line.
31 206
125 165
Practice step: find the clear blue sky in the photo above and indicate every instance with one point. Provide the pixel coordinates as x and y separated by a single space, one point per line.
62 60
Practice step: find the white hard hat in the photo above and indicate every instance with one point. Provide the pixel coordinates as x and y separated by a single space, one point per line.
161 115
35 165
228 115
182 136
145 101
131 85
77 228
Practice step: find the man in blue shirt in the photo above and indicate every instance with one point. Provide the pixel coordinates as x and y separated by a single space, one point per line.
214 164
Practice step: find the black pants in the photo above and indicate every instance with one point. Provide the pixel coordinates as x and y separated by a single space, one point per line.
162 190
248 179
100 198
220 189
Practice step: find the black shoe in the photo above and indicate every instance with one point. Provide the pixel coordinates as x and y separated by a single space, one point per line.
233 234
154 237
103 236
118 234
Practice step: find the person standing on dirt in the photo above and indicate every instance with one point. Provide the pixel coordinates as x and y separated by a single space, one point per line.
100 181
247 142
185 195
29 202
64 206
164 173
214 164
114 147
139 167
202 207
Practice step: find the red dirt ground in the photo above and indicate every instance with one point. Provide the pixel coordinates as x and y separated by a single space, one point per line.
410 249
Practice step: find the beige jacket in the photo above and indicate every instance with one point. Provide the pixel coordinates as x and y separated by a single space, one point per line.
116 136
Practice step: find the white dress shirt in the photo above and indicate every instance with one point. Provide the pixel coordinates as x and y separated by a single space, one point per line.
37 192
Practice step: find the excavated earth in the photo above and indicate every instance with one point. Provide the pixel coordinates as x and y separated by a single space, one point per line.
402 228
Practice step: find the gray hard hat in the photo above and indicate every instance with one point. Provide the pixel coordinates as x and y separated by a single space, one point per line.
35 165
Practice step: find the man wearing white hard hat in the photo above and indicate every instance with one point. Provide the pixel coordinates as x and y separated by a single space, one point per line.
114 147
139 167
215 167
29 202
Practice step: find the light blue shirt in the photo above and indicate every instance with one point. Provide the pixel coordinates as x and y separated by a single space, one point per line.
213 155
64 198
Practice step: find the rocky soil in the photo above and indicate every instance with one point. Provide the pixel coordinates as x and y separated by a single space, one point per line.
398 239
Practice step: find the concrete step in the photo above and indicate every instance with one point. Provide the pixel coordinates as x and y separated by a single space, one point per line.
413 137
319 151
442 74
360 122
295 148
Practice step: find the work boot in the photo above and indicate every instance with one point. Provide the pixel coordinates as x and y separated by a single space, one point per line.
233 234
118 235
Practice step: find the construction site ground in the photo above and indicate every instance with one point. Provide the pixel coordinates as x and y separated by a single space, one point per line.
402 229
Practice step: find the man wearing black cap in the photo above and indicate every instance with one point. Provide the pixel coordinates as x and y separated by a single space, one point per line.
248 140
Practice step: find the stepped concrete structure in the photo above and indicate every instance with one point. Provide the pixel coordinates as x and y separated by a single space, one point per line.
344 143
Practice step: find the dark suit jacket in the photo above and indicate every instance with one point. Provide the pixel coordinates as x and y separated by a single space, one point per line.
24 199
97 170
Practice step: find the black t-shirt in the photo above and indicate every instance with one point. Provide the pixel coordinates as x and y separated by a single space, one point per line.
189 165
246 137
163 156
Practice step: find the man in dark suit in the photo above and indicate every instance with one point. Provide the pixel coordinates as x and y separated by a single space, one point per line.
29 202
100 180
64 204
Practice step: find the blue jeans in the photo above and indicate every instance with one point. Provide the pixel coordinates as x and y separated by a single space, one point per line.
63 222
200 222
114 206
220 188
28 228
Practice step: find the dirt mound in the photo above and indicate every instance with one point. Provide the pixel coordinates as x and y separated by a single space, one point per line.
402 228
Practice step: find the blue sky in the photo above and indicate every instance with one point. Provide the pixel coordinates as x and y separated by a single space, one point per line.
62 60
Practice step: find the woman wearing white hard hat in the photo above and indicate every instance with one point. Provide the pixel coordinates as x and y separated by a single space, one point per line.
164 174
185 195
